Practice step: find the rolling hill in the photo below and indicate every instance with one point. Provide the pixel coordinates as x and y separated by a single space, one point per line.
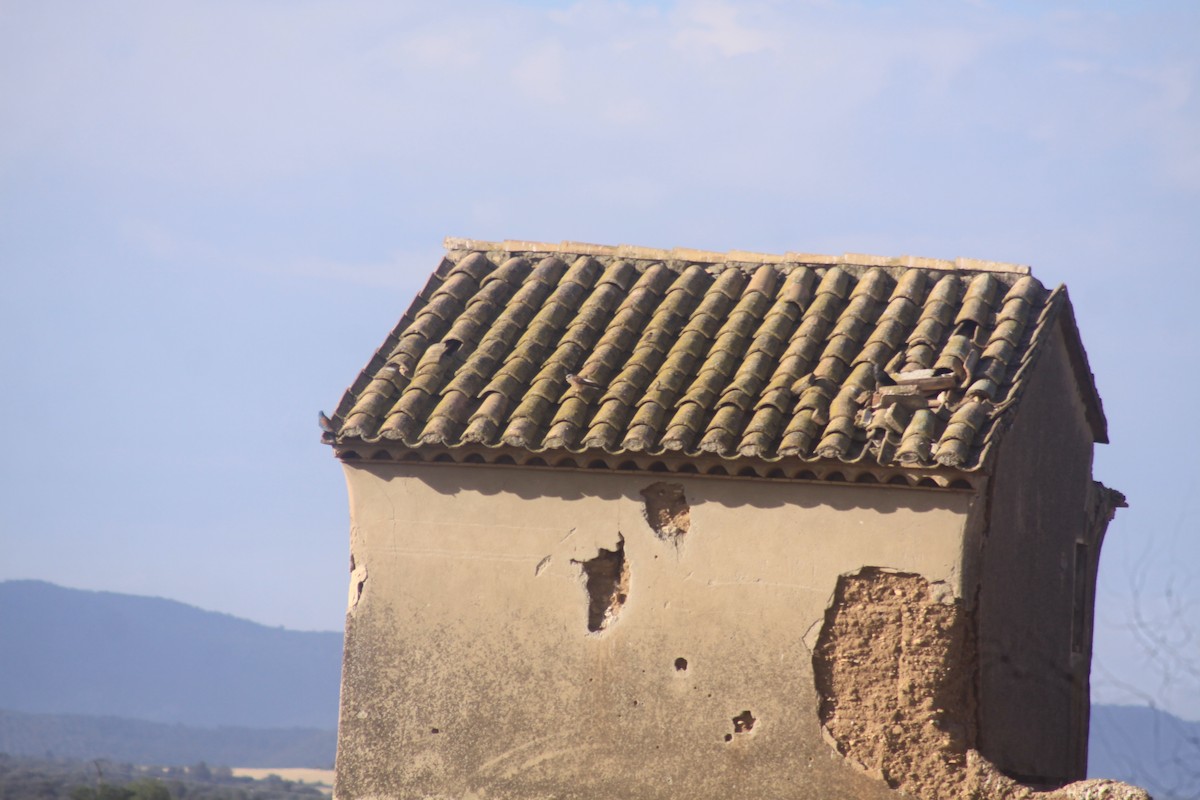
68 651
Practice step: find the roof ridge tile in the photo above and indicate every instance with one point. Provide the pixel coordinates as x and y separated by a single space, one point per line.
456 244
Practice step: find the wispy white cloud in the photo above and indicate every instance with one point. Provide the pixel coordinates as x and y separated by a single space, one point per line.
236 94
720 25
539 73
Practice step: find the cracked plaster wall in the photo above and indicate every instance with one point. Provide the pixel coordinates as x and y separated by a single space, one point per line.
471 669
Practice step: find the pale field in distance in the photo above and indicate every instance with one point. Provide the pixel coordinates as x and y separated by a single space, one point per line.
322 778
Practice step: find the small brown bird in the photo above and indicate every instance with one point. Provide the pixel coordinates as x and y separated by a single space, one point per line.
581 382
400 368
325 422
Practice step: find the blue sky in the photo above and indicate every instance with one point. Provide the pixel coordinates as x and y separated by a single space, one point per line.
212 212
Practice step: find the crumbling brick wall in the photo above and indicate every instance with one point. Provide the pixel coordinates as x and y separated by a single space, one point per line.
894 666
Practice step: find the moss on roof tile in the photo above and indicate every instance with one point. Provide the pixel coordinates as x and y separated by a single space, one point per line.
742 355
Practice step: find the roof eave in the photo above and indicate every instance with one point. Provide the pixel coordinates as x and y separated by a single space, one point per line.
357 451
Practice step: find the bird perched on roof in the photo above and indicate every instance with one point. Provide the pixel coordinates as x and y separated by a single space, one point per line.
395 367
581 382
325 422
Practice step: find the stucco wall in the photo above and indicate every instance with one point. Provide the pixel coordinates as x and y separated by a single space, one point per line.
1033 690
471 671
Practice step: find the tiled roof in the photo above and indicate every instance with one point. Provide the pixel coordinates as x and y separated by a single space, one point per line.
898 362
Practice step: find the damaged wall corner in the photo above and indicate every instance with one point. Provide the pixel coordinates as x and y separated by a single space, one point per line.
894 667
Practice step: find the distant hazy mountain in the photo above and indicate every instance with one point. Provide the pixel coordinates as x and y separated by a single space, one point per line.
137 742
1147 747
67 651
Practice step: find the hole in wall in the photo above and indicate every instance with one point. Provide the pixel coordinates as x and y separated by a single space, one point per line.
667 510
744 722
607 585
681 665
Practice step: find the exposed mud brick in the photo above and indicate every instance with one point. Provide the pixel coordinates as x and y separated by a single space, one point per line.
893 666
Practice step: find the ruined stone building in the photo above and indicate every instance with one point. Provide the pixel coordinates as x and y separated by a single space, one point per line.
633 523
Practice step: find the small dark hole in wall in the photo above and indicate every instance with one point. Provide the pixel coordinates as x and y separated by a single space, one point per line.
729 737
435 730
743 722
681 664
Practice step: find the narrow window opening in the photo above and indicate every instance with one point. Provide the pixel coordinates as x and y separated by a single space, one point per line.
1079 605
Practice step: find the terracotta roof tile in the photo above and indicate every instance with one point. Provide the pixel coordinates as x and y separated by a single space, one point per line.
740 355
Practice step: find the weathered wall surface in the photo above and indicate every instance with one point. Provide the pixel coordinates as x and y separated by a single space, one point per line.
896 700
537 633
1033 688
